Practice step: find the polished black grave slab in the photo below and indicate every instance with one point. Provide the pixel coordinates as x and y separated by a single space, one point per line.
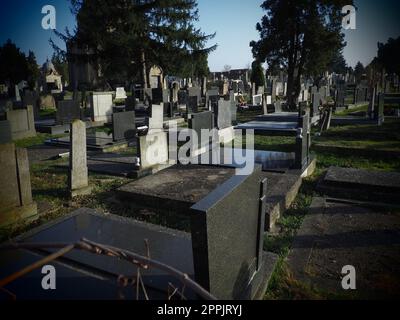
168 246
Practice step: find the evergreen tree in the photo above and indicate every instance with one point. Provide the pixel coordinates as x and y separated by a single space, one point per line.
13 64
301 36
129 36
33 70
388 55
359 71
338 64
257 74
61 65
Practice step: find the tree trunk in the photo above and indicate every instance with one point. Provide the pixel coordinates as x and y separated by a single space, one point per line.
144 70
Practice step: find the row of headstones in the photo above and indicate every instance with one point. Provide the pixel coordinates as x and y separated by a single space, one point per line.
220 115
207 222
359 94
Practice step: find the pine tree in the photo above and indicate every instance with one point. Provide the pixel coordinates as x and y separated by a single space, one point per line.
129 36
257 74
301 36
32 70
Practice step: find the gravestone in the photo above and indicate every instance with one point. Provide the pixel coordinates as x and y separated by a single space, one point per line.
124 127
175 91
212 97
17 94
257 100
316 101
170 110
233 106
155 122
67 111
31 99
22 123
201 121
130 103
153 150
340 98
159 96
303 143
379 112
47 102
371 105
235 210
278 106
182 97
120 93
226 211
195 92
223 115
78 182
101 106
15 193
5 132
192 105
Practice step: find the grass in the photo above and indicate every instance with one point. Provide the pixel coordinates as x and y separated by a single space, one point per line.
39 139
386 137
363 108
282 285
47 113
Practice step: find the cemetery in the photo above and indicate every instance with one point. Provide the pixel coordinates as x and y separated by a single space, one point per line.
165 184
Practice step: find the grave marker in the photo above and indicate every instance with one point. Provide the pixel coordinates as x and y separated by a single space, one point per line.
153 150
101 106
124 127
78 182
22 123
15 194
120 93
67 111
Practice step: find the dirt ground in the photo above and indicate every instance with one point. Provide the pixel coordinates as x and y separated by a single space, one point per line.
335 235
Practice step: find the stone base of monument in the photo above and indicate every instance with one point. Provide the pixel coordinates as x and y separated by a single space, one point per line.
50 126
80 192
227 218
97 141
363 185
26 213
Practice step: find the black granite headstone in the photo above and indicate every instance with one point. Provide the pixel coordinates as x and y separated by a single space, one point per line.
67 111
195 92
31 99
227 236
124 127
201 121
192 105
182 97
5 132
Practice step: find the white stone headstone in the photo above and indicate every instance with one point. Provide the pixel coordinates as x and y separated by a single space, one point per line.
120 93
257 100
153 150
17 94
156 121
101 106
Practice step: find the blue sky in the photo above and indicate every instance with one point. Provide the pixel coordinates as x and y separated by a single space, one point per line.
233 20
